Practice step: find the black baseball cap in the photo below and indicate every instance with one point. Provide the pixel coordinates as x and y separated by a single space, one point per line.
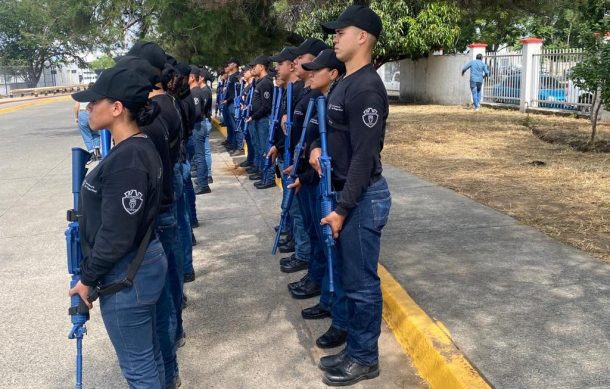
287 54
151 52
118 83
326 59
142 66
233 60
359 16
170 60
260 60
311 46
183 69
195 70
205 73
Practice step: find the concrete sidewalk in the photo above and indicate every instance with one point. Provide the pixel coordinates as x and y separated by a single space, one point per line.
527 310
243 330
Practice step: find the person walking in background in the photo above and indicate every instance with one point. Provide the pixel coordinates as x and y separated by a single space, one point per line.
91 138
478 72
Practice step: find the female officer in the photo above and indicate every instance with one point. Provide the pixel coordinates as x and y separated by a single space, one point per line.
119 202
325 69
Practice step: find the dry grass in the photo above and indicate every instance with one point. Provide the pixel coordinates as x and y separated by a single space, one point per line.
494 158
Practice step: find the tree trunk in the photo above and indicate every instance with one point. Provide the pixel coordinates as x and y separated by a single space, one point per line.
597 104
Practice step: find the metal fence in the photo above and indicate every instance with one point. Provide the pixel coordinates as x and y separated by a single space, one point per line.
11 77
552 86
504 81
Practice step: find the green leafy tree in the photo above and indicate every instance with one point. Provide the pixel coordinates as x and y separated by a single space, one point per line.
411 29
33 33
103 62
593 74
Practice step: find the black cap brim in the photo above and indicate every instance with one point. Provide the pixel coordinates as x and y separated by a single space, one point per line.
334 25
310 66
86 96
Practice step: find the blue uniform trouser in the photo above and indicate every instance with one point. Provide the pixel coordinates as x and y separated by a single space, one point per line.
256 148
229 120
358 249
250 144
262 132
207 125
167 230
130 318
318 265
199 139
184 240
239 134
184 221
475 89
299 233
91 138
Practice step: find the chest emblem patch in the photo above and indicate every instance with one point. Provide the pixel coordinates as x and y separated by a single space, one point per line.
370 117
266 95
132 201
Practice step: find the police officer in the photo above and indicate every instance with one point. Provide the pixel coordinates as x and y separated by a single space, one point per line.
325 69
260 112
199 133
120 201
166 130
232 71
357 113
205 80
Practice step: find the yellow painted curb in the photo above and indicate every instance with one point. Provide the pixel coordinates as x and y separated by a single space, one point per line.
427 342
223 131
34 103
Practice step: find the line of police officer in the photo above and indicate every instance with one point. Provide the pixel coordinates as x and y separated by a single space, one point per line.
357 110
158 111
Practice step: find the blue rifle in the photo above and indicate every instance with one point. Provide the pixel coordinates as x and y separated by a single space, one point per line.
326 191
287 161
219 99
78 311
237 101
275 113
246 113
291 178
106 142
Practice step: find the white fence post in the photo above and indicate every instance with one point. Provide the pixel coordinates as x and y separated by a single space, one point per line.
477 48
529 72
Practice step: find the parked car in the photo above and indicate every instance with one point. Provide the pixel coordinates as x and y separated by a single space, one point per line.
393 86
551 89
575 95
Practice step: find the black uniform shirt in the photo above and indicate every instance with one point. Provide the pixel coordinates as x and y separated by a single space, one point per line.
158 133
298 88
206 102
188 110
119 199
197 94
262 99
357 111
307 175
171 117
229 93
298 115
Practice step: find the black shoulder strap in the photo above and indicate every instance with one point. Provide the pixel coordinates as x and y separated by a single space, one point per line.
127 282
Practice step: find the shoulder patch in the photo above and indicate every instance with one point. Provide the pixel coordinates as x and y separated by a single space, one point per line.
266 95
370 117
132 201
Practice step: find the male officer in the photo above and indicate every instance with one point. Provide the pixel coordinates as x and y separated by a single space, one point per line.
357 112
205 82
261 109
308 286
229 95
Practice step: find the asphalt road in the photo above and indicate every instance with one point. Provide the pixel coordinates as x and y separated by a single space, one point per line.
243 329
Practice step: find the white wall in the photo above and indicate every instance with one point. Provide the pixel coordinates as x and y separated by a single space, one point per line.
435 80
